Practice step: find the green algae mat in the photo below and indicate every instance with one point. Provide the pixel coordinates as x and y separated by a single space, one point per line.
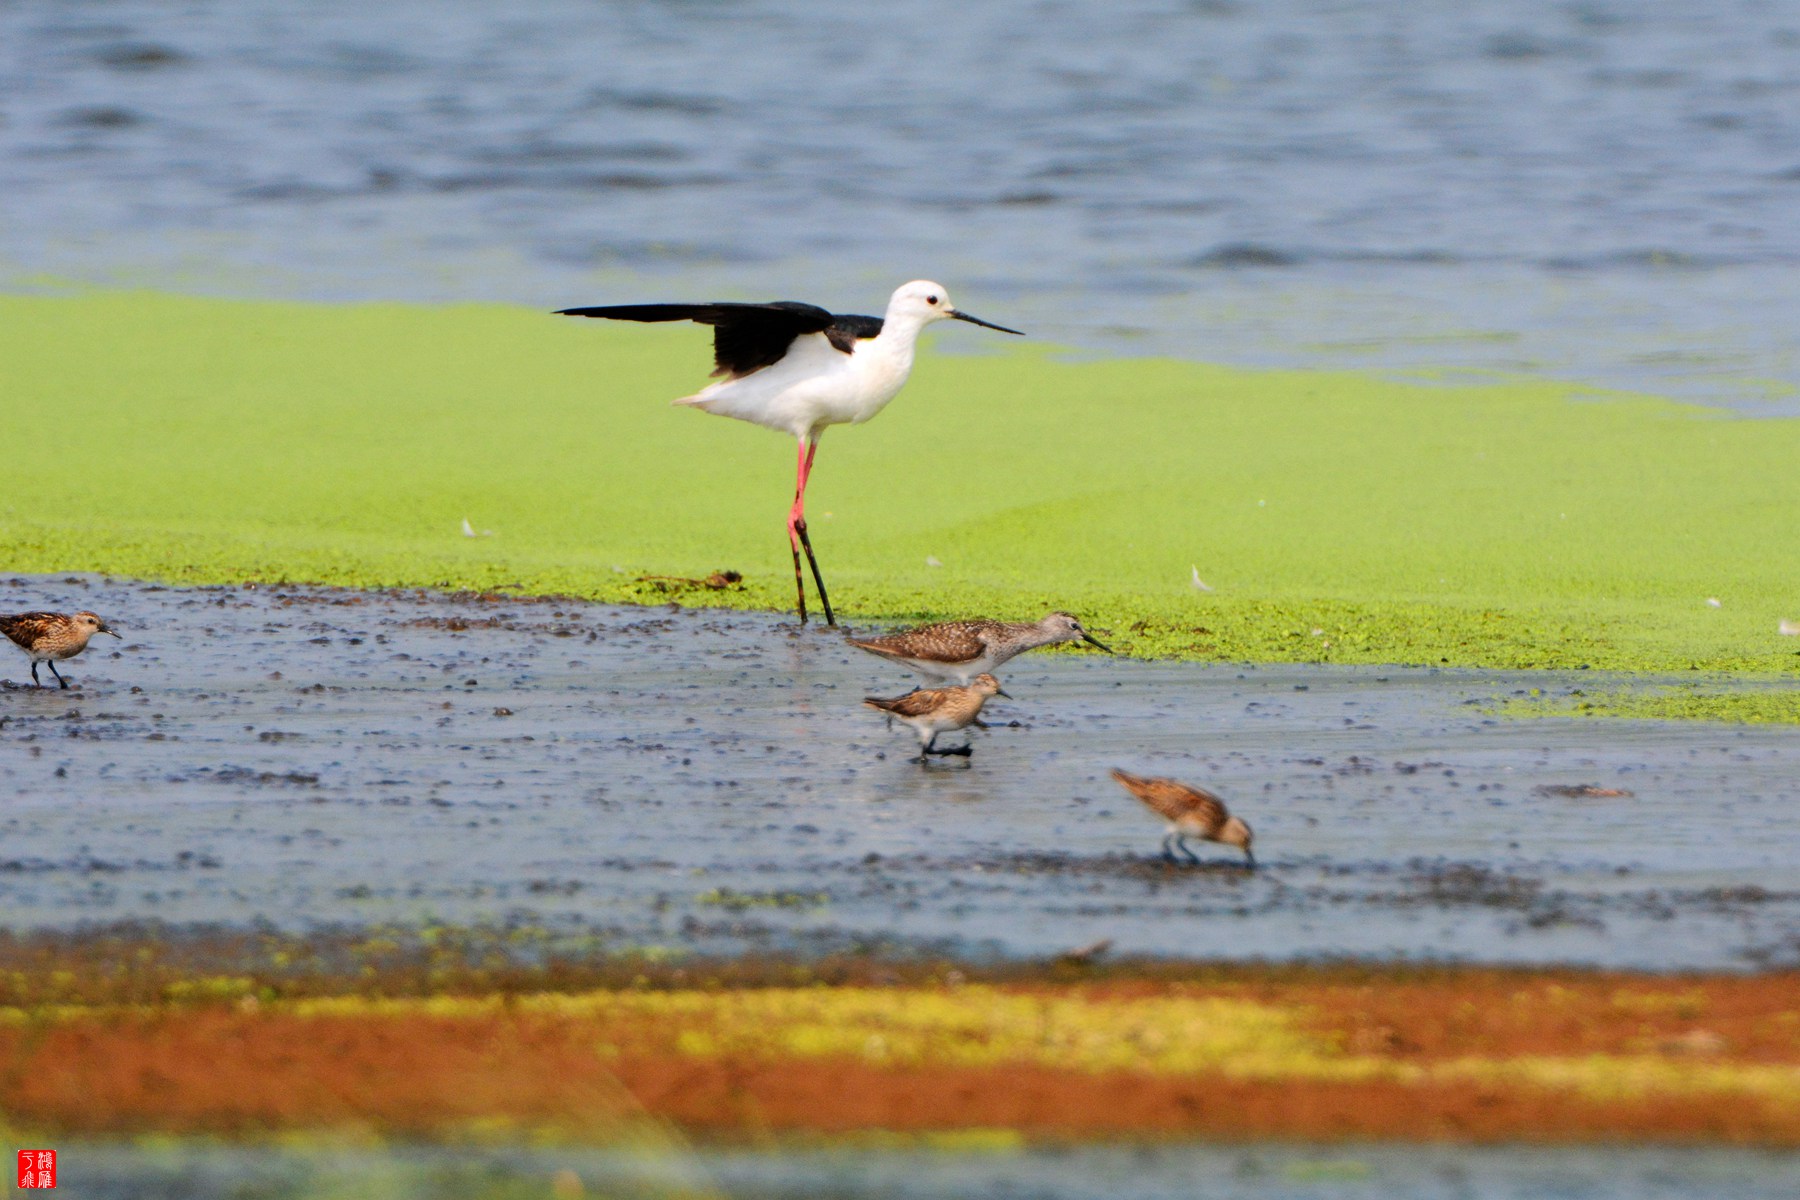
1334 517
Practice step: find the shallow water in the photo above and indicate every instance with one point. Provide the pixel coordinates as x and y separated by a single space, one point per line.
199 1172
1601 190
708 781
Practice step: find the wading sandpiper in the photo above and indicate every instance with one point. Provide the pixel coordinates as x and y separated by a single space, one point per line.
931 711
1191 812
49 638
797 368
961 650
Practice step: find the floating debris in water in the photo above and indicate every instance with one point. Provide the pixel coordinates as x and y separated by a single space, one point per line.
718 581
1789 628
931 560
1583 791
1080 956
1199 582
1713 602
469 530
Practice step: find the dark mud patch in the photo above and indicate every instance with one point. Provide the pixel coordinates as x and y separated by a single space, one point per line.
366 759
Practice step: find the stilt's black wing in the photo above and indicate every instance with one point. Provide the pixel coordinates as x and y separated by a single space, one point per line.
746 337
847 329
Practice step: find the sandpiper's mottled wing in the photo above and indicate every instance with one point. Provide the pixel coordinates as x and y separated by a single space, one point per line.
27 629
951 642
747 337
913 704
1175 801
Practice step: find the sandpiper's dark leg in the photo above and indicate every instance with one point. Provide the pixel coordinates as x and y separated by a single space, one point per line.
35 681
1181 845
1168 854
52 665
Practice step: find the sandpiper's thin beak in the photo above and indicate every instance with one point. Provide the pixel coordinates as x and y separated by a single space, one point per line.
963 316
1003 692
111 630
1091 640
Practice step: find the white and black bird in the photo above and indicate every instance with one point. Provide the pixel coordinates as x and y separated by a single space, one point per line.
797 368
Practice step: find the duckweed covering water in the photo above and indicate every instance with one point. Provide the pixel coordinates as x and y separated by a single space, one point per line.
1336 517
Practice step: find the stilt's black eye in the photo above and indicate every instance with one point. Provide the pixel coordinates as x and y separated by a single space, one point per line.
931 300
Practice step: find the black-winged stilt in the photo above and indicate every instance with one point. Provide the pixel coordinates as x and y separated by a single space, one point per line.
797 368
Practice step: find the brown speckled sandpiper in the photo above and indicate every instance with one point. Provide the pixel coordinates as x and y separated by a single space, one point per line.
1191 812
48 637
961 650
931 711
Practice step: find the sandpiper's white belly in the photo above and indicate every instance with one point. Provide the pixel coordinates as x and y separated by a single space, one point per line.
932 724
961 672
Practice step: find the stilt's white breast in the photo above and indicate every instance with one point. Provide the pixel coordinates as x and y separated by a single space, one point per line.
814 385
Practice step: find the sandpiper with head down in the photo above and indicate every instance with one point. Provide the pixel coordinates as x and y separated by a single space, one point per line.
931 711
961 650
1191 812
48 637
798 368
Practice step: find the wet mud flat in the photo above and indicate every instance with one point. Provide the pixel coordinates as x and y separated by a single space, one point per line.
675 779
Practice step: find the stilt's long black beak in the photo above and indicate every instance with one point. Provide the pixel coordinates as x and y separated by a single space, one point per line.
1091 640
963 316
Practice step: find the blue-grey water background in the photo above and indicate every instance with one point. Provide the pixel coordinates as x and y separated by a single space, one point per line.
1599 190
665 1169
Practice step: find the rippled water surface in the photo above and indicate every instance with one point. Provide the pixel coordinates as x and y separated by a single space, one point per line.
1599 189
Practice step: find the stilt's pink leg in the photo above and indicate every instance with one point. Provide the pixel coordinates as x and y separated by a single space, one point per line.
796 515
797 529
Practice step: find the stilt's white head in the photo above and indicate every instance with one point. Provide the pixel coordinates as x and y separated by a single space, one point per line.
921 302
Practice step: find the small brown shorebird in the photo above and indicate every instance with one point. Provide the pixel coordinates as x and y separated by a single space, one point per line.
931 711
50 637
961 650
1191 812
